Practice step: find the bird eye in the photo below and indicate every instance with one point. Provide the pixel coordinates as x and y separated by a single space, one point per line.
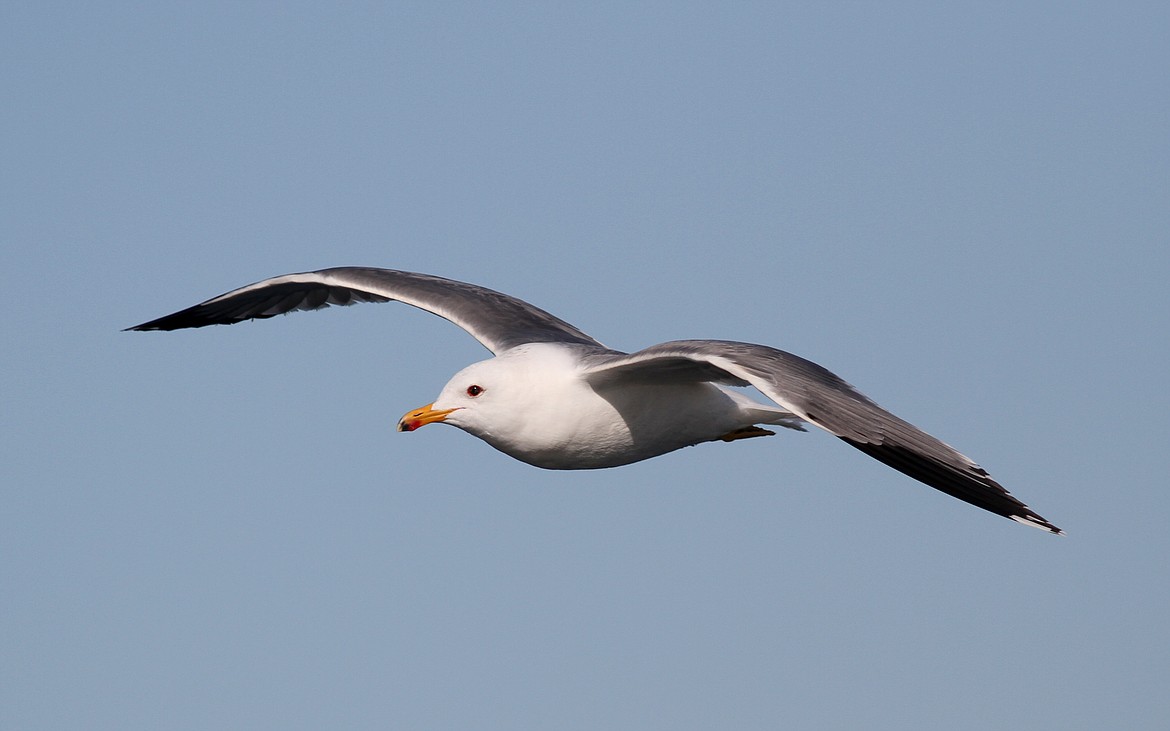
473 390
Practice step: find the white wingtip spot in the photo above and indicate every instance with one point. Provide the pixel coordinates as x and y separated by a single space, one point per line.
1029 522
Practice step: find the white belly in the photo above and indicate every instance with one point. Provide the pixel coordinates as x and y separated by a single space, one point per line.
617 427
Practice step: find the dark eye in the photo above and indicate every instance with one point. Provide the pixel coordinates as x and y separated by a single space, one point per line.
474 390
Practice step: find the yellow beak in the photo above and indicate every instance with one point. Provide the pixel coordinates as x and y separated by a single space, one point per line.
412 420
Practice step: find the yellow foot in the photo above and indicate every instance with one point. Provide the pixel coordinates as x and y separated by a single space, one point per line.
746 433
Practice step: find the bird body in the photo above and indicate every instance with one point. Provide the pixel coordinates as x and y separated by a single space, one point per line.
554 397
519 400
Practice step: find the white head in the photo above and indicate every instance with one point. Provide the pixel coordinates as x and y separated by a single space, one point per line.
477 399
517 404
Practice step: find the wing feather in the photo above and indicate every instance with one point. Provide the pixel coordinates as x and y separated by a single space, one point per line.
497 320
823 398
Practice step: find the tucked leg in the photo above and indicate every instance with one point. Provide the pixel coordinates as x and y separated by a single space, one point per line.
746 433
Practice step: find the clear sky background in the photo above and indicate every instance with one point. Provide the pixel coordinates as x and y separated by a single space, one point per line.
962 208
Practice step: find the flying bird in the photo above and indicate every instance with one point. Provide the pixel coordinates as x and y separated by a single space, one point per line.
555 398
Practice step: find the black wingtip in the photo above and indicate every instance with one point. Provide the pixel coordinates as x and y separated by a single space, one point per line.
197 316
971 485
159 324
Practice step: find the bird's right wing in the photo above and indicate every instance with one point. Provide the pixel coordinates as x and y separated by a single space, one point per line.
497 320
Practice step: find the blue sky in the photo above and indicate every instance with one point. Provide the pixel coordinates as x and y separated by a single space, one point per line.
960 208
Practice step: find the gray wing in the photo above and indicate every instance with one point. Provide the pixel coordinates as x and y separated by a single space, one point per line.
497 320
822 398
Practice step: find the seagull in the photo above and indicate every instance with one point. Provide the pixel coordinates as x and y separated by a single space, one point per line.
555 398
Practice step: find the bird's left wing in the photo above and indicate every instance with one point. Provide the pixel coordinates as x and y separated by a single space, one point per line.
497 320
820 397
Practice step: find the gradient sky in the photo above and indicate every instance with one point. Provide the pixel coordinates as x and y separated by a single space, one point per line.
963 209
